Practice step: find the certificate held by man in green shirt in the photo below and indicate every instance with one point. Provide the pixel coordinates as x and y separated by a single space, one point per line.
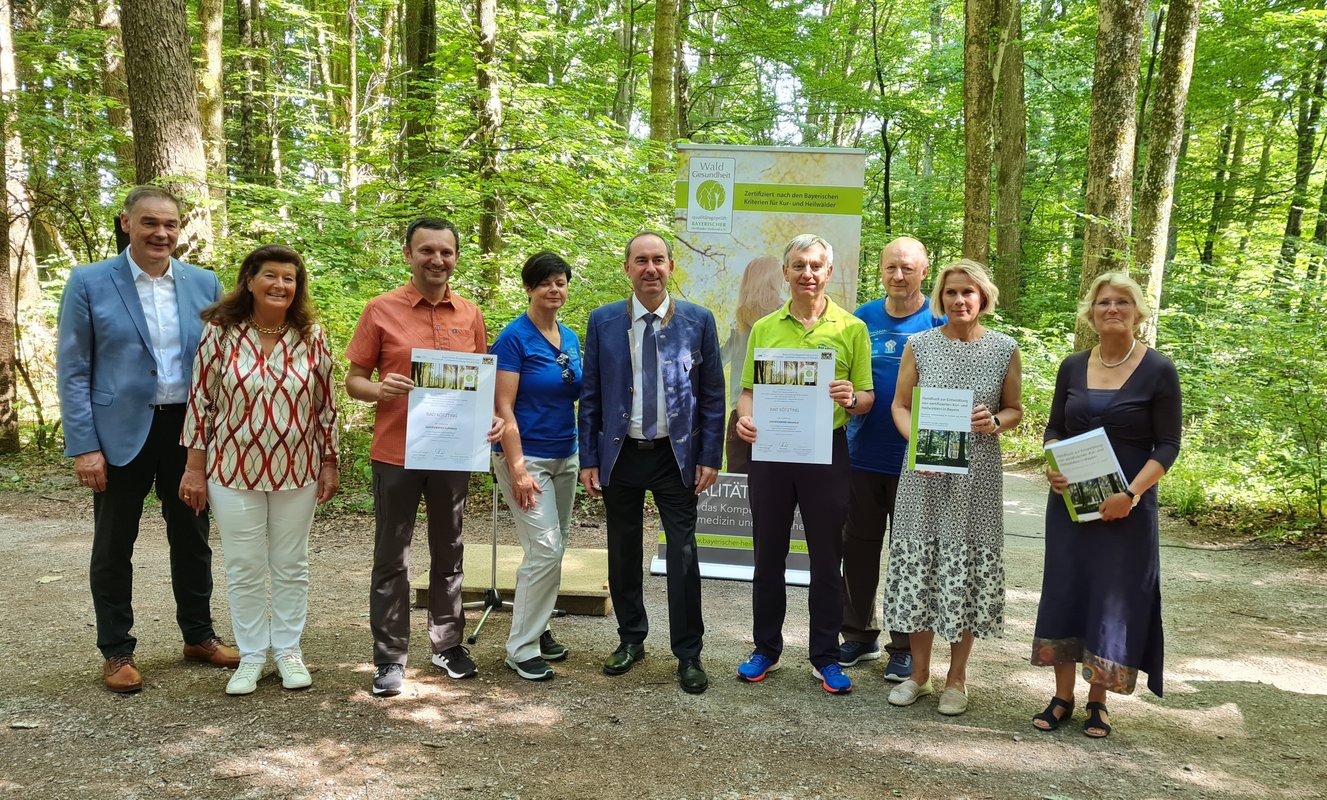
791 405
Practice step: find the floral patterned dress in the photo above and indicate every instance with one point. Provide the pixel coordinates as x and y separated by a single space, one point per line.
946 550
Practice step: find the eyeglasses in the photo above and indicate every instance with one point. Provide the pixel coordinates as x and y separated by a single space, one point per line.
1105 304
563 360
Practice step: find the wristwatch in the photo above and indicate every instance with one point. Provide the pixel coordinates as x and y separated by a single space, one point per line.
853 404
1133 498
996 420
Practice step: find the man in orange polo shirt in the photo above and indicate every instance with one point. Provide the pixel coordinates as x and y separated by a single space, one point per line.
424 313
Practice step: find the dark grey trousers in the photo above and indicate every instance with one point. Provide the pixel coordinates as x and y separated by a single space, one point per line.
870 510
396 495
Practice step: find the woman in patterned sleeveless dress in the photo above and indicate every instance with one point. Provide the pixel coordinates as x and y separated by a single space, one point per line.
946 565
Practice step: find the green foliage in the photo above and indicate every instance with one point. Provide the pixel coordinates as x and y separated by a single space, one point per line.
573 180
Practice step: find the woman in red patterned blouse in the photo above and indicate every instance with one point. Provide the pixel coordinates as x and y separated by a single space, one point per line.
261 433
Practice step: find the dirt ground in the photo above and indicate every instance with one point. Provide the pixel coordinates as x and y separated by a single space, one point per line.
1243 715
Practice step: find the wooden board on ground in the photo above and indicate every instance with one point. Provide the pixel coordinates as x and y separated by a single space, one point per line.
584 578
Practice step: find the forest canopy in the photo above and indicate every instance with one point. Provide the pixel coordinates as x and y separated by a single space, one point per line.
1021 134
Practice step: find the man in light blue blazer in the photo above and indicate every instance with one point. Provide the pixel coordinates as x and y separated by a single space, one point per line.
652 418
129 327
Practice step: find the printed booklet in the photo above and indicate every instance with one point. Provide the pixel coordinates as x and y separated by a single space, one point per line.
941 426
1094 474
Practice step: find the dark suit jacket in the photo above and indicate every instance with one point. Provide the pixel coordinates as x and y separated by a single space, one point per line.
688 343
105 370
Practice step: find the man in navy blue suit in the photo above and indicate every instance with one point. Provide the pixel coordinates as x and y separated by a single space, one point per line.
652 418
129 327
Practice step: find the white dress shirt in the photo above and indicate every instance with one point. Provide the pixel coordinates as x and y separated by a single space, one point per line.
162 312
636 429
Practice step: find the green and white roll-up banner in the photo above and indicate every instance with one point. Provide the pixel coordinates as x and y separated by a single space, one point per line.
735 210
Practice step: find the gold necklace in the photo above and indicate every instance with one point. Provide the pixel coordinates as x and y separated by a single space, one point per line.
1127 356
277 331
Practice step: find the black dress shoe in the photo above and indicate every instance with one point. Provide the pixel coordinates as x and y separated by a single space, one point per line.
691 675
624 658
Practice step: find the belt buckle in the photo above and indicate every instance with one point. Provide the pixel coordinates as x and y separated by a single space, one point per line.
644 444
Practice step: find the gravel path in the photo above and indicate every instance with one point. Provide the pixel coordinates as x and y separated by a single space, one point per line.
1243 716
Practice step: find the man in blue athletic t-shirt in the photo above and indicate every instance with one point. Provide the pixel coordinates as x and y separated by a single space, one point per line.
877 451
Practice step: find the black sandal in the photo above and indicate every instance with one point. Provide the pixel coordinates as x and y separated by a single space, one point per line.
1095 722
1048 716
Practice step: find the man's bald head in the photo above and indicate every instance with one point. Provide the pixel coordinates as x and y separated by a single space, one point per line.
903 266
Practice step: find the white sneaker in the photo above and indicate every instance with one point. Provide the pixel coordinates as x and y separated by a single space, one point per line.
908 692
294 675
246 677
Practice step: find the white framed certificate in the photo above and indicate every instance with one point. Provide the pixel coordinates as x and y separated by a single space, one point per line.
450 410
791 407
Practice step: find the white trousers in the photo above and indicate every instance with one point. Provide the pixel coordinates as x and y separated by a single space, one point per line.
265 534
542 532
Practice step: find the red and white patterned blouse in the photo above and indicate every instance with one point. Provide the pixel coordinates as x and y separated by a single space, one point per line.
266 422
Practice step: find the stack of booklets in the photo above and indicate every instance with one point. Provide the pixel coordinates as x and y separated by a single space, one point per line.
1094 474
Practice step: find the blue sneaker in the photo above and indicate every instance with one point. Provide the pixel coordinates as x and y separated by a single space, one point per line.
831 677
852 652
899 668
755 668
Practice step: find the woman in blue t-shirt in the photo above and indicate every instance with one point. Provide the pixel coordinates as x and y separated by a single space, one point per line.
535 461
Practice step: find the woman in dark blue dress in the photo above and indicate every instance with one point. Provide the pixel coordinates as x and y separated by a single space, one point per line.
1101 589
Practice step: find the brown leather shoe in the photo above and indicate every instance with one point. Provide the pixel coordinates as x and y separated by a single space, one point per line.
120 674
213 652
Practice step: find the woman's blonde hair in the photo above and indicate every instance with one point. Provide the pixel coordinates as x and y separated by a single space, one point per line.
977 273
1116 280
760 292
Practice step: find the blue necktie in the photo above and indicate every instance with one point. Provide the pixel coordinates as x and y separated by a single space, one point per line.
649 381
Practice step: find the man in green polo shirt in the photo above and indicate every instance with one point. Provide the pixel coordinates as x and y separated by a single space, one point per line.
809 320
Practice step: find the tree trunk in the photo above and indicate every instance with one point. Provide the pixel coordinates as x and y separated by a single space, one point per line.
1260 181
661 79
1109 201
624 98
681 80
1147 87
116 89
246 155
378 92
1306 134
168 142
20 255
11 223
887 176
272 163
978 93
1173 229
1011 155
420 30
1319 238
350 169
1166 140
1218 193
212 107
490 120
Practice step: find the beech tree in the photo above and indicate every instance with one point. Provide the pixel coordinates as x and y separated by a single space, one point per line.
1165 134
662 121
168 140
1108 205
11 227
212 106
978 126
1011 153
